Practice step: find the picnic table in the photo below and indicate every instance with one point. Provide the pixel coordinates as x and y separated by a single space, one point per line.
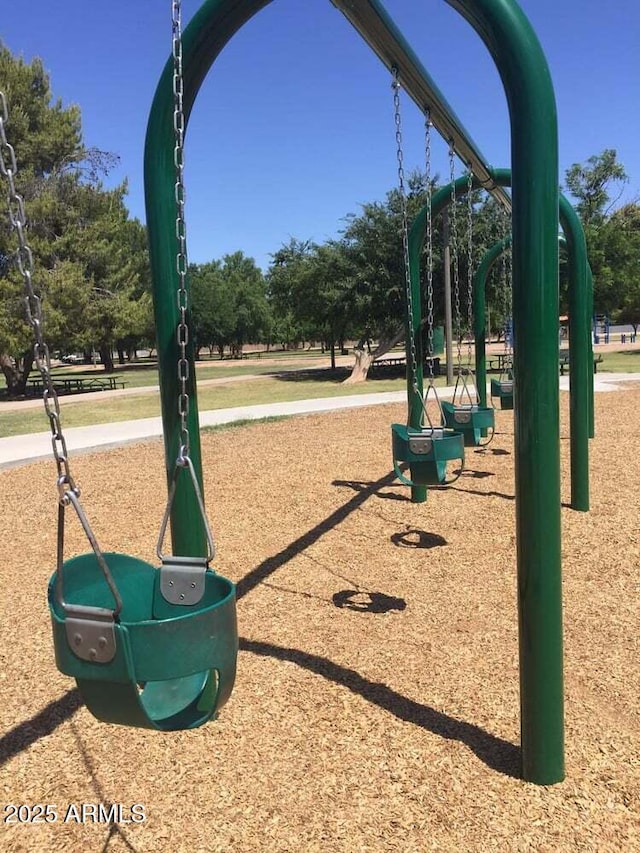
564 360
391 364
77 384
499 360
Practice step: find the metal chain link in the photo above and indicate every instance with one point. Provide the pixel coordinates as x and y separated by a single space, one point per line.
182 297
182 332
405 230
469 262
429 241
453 242
507 255
33 309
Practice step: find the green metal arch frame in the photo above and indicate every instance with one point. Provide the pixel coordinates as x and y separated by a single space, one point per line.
479 305
580 301
524 72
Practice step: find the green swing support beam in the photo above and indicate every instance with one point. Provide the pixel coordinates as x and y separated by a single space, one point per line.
373 23
580 372
523 69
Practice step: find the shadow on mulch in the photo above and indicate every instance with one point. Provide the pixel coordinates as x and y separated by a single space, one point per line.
364 485
414 538
484 494
45 723
495 752
367 602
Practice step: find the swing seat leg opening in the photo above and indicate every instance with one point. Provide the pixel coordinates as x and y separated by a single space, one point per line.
173 666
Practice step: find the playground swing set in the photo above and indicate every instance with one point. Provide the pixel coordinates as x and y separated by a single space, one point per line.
156 646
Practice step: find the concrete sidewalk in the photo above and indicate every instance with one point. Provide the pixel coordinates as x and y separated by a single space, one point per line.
16 450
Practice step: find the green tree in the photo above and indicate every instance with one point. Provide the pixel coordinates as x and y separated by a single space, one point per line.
621 240
285 287
244 281
611 235
590 184
212 307
90 260
46 138
373 242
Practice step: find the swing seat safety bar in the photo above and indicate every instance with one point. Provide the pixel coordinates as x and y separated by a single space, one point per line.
173 666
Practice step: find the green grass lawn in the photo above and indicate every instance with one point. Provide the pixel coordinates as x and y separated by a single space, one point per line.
145 372
268 390
620 361
83 411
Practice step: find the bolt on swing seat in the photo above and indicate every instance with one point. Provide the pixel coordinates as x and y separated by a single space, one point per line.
427 452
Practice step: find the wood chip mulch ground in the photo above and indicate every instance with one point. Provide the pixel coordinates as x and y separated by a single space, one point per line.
376 705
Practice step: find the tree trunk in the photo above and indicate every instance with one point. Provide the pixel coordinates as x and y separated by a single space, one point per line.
364 357
361 366
107 358
333 355
16 374
121 358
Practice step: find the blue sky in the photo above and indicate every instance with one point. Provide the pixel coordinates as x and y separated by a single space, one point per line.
293 127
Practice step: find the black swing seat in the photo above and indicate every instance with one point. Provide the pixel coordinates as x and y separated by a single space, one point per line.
471 420
427 452
158 664
502 390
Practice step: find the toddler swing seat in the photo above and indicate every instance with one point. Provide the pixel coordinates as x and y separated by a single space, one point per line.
427 452
152 663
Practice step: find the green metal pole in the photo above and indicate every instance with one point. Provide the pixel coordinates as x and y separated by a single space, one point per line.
479 313
534 146
580 382
592 425
208 32
581 362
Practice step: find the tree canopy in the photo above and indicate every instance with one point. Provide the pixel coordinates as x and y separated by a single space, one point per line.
91 264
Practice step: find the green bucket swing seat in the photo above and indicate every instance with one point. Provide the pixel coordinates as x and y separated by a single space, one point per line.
156 664
502 391
427 452
473 421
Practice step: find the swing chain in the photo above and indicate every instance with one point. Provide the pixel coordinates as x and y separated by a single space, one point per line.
182 332
469 262
453 238
405 229
429 235
33 308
